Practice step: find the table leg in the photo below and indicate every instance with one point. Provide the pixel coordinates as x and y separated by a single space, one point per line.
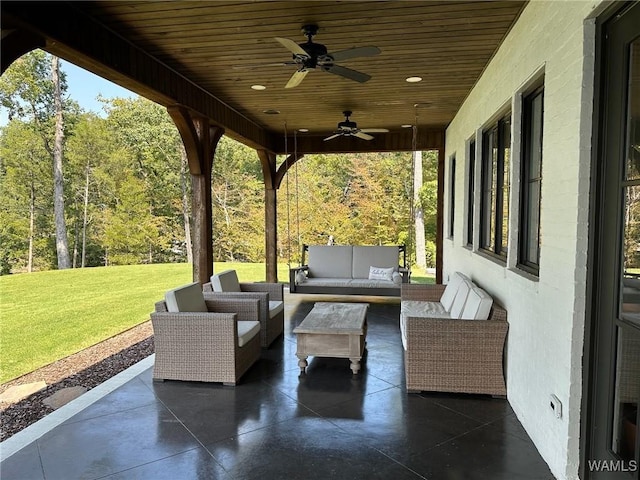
355 365
302 362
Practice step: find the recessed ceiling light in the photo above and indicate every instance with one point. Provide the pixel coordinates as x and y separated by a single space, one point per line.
271 111
414 79
303 130
406 125
258 87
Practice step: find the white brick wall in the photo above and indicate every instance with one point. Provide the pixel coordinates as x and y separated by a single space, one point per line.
546 316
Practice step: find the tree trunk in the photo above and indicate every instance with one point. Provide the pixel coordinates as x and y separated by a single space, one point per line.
84 218
185 205
62 244
418 215
32 214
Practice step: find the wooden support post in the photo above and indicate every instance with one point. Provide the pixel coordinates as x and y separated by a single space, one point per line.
268 162
200 140
440 216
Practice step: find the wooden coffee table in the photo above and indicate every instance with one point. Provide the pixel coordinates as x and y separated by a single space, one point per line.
333 330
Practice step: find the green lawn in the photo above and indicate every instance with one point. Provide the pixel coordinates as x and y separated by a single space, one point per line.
45 316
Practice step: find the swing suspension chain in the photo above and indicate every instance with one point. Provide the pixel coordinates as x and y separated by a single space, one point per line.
295 159
286 159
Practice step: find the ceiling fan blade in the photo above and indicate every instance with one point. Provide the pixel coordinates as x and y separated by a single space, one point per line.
292 46
332 136
296 78
261 65
374 130
348 73
363 136
354 52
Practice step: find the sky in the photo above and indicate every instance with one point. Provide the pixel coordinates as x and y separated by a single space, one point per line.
84 87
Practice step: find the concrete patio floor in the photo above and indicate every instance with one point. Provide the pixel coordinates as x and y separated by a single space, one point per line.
276 424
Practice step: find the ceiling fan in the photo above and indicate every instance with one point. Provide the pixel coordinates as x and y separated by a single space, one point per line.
350 129
309 56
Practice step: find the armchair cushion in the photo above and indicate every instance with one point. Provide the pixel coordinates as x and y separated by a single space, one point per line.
188 298
275 307
247 329
226 281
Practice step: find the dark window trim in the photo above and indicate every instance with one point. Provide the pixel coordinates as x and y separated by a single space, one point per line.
524 262
471 162
493 132
452 194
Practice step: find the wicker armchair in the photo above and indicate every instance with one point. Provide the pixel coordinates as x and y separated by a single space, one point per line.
451 355
218 345
270 295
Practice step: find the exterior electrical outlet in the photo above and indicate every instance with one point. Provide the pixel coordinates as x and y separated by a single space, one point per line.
556 406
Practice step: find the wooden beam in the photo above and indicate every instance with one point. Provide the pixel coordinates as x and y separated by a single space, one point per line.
15 43
80 39
401 141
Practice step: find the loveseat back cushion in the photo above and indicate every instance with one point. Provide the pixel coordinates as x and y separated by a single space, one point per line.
366 256
460 299
449 294
478 305
247 329
330 261
226 281
188 298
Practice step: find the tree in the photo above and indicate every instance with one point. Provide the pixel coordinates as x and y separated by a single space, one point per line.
147 132
25 200
88 149
32 89
418 217
62 245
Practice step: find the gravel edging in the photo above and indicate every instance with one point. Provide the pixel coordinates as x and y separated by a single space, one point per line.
87 368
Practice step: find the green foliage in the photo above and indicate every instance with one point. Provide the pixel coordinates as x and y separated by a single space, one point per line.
124 178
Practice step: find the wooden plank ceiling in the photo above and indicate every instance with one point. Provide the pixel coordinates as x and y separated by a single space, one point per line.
217 45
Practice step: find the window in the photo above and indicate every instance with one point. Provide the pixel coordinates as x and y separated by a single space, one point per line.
531 179
494 218
471 191
452 193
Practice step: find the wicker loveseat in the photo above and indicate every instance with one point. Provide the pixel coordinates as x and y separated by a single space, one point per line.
446 354
350 270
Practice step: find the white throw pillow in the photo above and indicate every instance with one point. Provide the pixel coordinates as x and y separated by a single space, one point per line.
377 273
397 278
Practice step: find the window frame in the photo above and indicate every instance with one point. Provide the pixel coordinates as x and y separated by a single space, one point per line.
471 190
452 194
527 205
494 228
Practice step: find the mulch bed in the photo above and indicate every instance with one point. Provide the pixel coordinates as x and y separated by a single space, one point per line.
88 368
